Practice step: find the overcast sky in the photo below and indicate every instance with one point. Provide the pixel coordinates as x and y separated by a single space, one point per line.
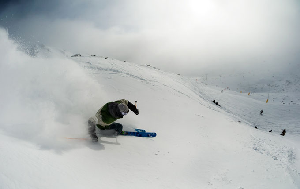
184 36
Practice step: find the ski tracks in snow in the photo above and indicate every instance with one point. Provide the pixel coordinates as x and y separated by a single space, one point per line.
280 153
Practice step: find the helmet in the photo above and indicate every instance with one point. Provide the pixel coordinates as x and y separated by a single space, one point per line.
123 108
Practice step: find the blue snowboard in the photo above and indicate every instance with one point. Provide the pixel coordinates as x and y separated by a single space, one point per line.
140 130
138 133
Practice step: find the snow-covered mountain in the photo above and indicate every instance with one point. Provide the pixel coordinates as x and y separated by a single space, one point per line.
198 144
244 95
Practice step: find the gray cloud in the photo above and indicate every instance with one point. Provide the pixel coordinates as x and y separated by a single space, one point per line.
181 36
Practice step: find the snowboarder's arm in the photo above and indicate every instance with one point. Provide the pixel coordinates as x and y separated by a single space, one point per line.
133 108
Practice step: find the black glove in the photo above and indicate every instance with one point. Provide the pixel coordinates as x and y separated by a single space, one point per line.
133 108
136 111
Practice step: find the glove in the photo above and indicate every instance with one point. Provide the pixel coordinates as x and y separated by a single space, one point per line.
136 111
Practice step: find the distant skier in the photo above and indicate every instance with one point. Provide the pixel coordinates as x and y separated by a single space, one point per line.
283 132
106 116
261 112
216 103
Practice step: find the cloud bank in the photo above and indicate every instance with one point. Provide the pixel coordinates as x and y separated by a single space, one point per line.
189 37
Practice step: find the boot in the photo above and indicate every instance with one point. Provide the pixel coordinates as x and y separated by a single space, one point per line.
94 137
91 130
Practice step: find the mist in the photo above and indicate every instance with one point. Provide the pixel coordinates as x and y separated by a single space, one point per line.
44 100
188 37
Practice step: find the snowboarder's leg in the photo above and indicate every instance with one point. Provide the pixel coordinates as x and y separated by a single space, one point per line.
116 126
91 129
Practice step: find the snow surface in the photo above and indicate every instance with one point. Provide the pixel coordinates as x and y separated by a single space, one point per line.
198 145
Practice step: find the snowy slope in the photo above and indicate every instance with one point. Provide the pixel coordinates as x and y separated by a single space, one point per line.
198 145
249 94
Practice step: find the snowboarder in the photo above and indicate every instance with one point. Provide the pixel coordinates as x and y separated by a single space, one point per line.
216 103
106 116
261 112
283 132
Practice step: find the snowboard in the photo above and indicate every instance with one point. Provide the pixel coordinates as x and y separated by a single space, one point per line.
138 133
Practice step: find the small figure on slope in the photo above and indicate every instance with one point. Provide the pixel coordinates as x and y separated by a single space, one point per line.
283 132
106 116
216 103
261 112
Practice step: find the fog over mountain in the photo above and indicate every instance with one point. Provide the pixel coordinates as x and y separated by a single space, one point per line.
188 37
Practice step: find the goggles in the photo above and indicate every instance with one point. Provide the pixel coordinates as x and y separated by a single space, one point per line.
124 113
